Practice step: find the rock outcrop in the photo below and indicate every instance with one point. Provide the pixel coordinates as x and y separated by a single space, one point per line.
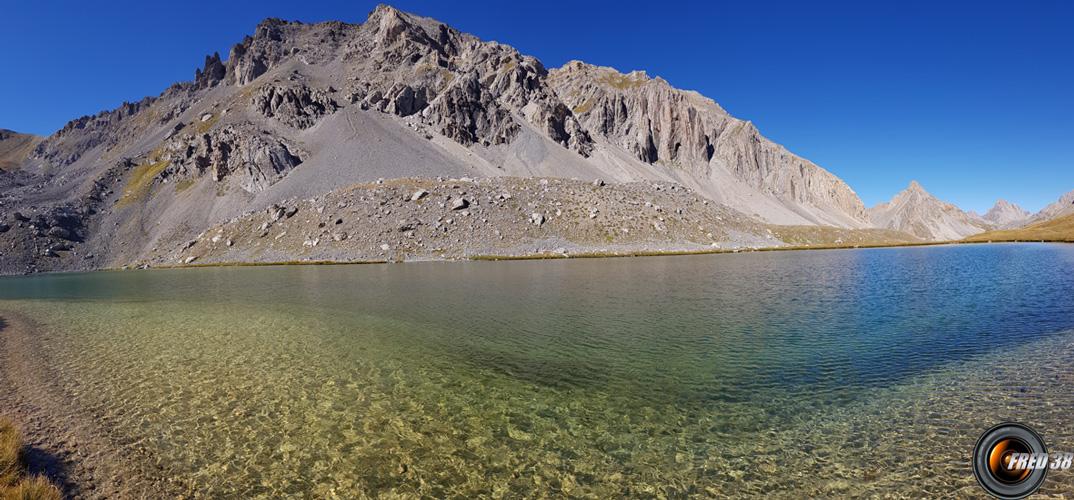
296 105
921 214
253 159
471 89
212 74
468 113
256 54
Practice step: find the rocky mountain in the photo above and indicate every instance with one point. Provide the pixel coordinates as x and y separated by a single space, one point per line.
1005 214
297 111
921 214
1062 207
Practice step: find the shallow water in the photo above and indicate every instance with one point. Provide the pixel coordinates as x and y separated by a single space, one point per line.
852 372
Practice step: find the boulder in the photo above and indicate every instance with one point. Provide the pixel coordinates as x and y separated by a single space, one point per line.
59 232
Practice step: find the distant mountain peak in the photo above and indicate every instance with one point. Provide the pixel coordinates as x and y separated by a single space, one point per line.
914 190
1005 214
916 211
1063 206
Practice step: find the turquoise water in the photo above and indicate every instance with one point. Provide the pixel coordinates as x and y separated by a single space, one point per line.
851 372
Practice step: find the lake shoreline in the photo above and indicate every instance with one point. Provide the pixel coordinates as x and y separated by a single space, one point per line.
542 256
65 443
582 255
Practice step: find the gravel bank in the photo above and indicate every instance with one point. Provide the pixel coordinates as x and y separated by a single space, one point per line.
67 444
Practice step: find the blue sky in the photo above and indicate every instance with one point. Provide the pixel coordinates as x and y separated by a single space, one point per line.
973 99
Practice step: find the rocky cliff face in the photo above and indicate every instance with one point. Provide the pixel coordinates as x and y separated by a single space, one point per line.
253 158
1004 215
295 105
300 110
685 131
921 214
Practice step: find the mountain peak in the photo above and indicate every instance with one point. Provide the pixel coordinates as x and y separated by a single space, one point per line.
385 11
918 212
384 8
1006 214
1004 204
914 190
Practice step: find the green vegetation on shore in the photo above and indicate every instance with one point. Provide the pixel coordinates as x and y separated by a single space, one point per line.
15 482
1055 230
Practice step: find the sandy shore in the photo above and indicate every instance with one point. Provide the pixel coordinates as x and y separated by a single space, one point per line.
66 443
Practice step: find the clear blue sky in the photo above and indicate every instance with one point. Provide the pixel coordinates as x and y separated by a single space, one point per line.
974 99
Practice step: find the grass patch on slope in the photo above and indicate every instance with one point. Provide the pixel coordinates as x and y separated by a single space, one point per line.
15 149
201 127
15 483
183 185
1056 230
621 82
584 107
140 181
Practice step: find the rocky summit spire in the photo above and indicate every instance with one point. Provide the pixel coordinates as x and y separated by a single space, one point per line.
212 73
